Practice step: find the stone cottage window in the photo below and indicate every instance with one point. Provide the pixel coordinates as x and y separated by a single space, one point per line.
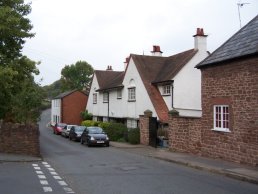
221 118
95 98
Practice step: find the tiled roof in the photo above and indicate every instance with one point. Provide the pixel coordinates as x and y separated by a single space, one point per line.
64 94
109 79
242 43
153 69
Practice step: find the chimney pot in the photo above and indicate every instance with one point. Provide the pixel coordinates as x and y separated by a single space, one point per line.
156 51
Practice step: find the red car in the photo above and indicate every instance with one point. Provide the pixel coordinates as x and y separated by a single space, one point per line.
57 128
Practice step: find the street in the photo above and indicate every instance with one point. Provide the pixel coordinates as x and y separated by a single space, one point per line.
69 167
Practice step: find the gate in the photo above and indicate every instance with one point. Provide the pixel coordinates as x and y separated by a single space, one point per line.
153 128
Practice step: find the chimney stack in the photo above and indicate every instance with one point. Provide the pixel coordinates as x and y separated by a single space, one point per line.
200 42
126 62
156 51
109 68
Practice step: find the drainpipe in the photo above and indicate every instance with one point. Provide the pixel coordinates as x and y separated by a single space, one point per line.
172 97
108 105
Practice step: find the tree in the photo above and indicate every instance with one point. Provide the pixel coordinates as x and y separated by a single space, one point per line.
14 28
76 76
20 96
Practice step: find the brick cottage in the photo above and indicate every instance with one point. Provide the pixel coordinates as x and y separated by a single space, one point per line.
228 128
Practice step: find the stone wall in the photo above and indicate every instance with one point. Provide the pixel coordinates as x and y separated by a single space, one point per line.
184 134
19 139
144 127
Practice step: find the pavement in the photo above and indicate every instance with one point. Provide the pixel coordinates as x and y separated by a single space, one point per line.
229 169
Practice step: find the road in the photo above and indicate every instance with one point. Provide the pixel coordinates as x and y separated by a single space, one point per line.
69 167
111 170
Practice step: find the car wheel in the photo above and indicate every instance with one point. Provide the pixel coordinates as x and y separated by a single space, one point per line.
107 144
82 141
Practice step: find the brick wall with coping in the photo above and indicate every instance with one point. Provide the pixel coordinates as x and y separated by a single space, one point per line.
19 139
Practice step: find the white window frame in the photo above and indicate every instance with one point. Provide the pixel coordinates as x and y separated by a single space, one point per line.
95 97
221 118
119 94
166 90
131 94
105 97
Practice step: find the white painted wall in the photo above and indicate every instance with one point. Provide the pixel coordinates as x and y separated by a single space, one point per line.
143 102
55 110
187 87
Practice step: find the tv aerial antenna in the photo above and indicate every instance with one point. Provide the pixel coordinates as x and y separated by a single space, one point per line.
239 6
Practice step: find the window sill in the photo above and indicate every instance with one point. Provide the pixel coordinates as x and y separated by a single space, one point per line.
166 94
119 98
221 130
131 100
105 102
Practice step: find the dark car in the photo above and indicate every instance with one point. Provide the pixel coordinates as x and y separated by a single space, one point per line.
94 136
58 127
76 132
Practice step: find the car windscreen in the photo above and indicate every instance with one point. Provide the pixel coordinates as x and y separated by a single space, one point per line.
61 125
95 130
79 129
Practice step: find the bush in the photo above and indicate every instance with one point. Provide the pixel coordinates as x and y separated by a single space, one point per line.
104 125
86 116
134 136
116 131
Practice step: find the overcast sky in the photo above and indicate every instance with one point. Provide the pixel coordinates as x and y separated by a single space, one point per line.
105 32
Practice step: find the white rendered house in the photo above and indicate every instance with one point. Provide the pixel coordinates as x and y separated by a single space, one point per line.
152 82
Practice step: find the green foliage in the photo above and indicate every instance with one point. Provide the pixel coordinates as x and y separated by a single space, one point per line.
20 96
76 76
14 28
52 90
134 136
104 125
89 123
116 131
86 115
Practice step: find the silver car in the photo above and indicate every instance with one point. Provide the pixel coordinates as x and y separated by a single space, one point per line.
66 130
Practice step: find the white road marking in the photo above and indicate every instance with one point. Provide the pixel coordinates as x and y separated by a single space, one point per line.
43 182
42 177
39 172
36 168
57 177
68 190
51 169
62 183
44 163
53 173
47 189
35 165
47 165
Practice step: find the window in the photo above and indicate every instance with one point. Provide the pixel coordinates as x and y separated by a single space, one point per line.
131 94
131 123
105 97
221 118
167 90
95 98
119 94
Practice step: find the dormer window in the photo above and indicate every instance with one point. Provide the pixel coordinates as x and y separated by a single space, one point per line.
166 90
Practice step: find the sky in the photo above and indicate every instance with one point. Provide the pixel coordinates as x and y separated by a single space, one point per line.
104 33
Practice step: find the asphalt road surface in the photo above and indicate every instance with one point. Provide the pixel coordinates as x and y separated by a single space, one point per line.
109 170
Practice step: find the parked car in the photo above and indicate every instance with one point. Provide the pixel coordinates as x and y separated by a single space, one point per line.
57 128
66 130
94 136
76 132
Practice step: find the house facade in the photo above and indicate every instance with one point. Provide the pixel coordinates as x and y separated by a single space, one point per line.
151 82
66 107
228 128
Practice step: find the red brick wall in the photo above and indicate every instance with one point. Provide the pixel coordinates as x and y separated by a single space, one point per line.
144 127
234 84
184 134
19 139
72 106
